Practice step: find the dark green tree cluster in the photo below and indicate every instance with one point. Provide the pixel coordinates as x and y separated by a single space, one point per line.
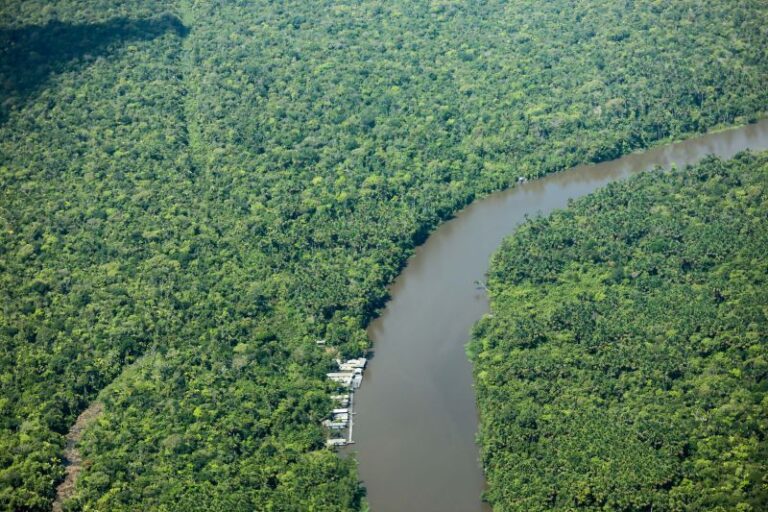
624 366
192 192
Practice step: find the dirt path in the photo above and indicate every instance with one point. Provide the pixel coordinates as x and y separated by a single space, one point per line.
72 459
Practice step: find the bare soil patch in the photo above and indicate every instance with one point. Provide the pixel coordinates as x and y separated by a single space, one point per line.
72 458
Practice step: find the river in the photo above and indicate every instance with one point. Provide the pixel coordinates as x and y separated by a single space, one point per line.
416 416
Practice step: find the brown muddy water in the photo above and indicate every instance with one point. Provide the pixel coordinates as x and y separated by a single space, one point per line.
416 417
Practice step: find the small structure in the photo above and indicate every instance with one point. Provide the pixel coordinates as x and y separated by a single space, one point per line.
343 378
352 364
343 400
335 425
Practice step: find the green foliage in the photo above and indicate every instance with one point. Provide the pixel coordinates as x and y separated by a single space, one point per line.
208 187
624 367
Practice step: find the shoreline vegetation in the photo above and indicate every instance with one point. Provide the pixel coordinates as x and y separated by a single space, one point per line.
623 363
214 196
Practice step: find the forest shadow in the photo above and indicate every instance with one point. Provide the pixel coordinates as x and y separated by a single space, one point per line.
30 55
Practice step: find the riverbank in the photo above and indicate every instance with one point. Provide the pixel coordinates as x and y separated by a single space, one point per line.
416 421
623 360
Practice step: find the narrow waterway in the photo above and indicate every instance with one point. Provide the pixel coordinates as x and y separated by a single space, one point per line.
416 417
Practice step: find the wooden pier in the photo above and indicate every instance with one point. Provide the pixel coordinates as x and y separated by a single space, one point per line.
351 417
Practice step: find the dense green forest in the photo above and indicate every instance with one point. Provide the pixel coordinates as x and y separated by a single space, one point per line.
192 192
624 366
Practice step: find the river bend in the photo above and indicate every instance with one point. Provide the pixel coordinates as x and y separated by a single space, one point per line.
416 416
